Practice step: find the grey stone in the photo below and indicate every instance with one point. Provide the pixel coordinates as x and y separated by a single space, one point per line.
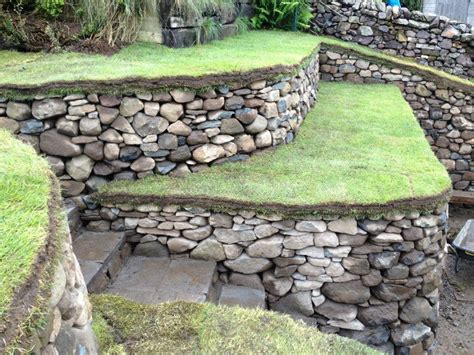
172 112
338 311
267 248
257 126
386 238
231 126
343 225
208 153
147 125
352 292
295 303
298 241
393 292
80 167
415 310
209 249
311 226
373 227
410 334
379 315
384 260
180 245
277 286
168 141
181 154
221 220
181 96
251 281
49 108
326 239
90 126
151 249
143 164
247 265
54 143
198 233
130 106
18 111
356 266
370 335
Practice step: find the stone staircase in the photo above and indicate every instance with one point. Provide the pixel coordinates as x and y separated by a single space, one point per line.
101 256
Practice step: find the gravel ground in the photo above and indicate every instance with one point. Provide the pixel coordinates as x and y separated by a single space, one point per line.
455 334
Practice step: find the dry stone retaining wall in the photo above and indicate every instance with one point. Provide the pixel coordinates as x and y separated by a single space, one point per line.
430 39
92 139
445 113
373 280
68 326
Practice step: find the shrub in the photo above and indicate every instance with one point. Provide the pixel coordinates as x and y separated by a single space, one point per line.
282 14
412 4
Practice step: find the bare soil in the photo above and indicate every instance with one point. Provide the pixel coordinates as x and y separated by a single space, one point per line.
455 334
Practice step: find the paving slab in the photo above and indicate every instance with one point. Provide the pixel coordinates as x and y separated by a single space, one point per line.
158 280
233 295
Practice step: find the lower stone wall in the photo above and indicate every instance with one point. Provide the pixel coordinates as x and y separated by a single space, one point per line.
90 139
373 280
68 326
445 113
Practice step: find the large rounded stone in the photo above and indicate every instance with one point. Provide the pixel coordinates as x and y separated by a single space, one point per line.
172 112
257 126
90 126
339 311
151 249
343 225
18 110
416 310
80 167
266 248
130 106
180 129
295 303
49 108
198 233
231 126
278 286
247 265
353 292
393 292
379 315
208 153
143 164
209 249
180 245
148 125
410 334
54 143
9 125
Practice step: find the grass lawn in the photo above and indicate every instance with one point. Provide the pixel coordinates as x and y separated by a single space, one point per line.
361 145
24 195
242 53
185 328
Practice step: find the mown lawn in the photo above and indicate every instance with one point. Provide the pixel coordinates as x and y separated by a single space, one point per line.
245 52
361 145
24 195
125 327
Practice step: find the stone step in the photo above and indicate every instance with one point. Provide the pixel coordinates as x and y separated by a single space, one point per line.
158 280
233 295
101 256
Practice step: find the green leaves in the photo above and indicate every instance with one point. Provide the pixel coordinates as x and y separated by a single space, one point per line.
282 14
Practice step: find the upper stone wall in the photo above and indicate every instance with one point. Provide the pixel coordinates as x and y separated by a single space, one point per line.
429 39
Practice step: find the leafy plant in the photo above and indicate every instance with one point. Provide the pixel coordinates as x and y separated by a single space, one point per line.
51 8
283 14
242 23
412 4
210 30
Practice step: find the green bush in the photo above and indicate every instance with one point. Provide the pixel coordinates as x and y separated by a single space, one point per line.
51 8
282 14
412 4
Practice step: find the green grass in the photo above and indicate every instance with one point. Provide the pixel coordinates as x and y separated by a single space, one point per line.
361 145
185 328
245 52
24 194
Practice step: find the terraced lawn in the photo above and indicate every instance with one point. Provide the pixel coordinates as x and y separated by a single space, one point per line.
361 146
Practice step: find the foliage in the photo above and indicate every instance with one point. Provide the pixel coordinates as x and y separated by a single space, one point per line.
282 14
51 8
242 24
193 328
344 154
413 4
210 29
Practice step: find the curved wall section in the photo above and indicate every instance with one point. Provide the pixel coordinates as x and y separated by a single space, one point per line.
90 139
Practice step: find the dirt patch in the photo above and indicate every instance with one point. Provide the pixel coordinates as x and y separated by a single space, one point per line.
455 334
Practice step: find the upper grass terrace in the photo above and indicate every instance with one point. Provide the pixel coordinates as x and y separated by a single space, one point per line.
359 151
270 52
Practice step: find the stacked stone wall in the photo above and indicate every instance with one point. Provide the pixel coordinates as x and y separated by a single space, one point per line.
373 280
432 40
445 113
92 139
